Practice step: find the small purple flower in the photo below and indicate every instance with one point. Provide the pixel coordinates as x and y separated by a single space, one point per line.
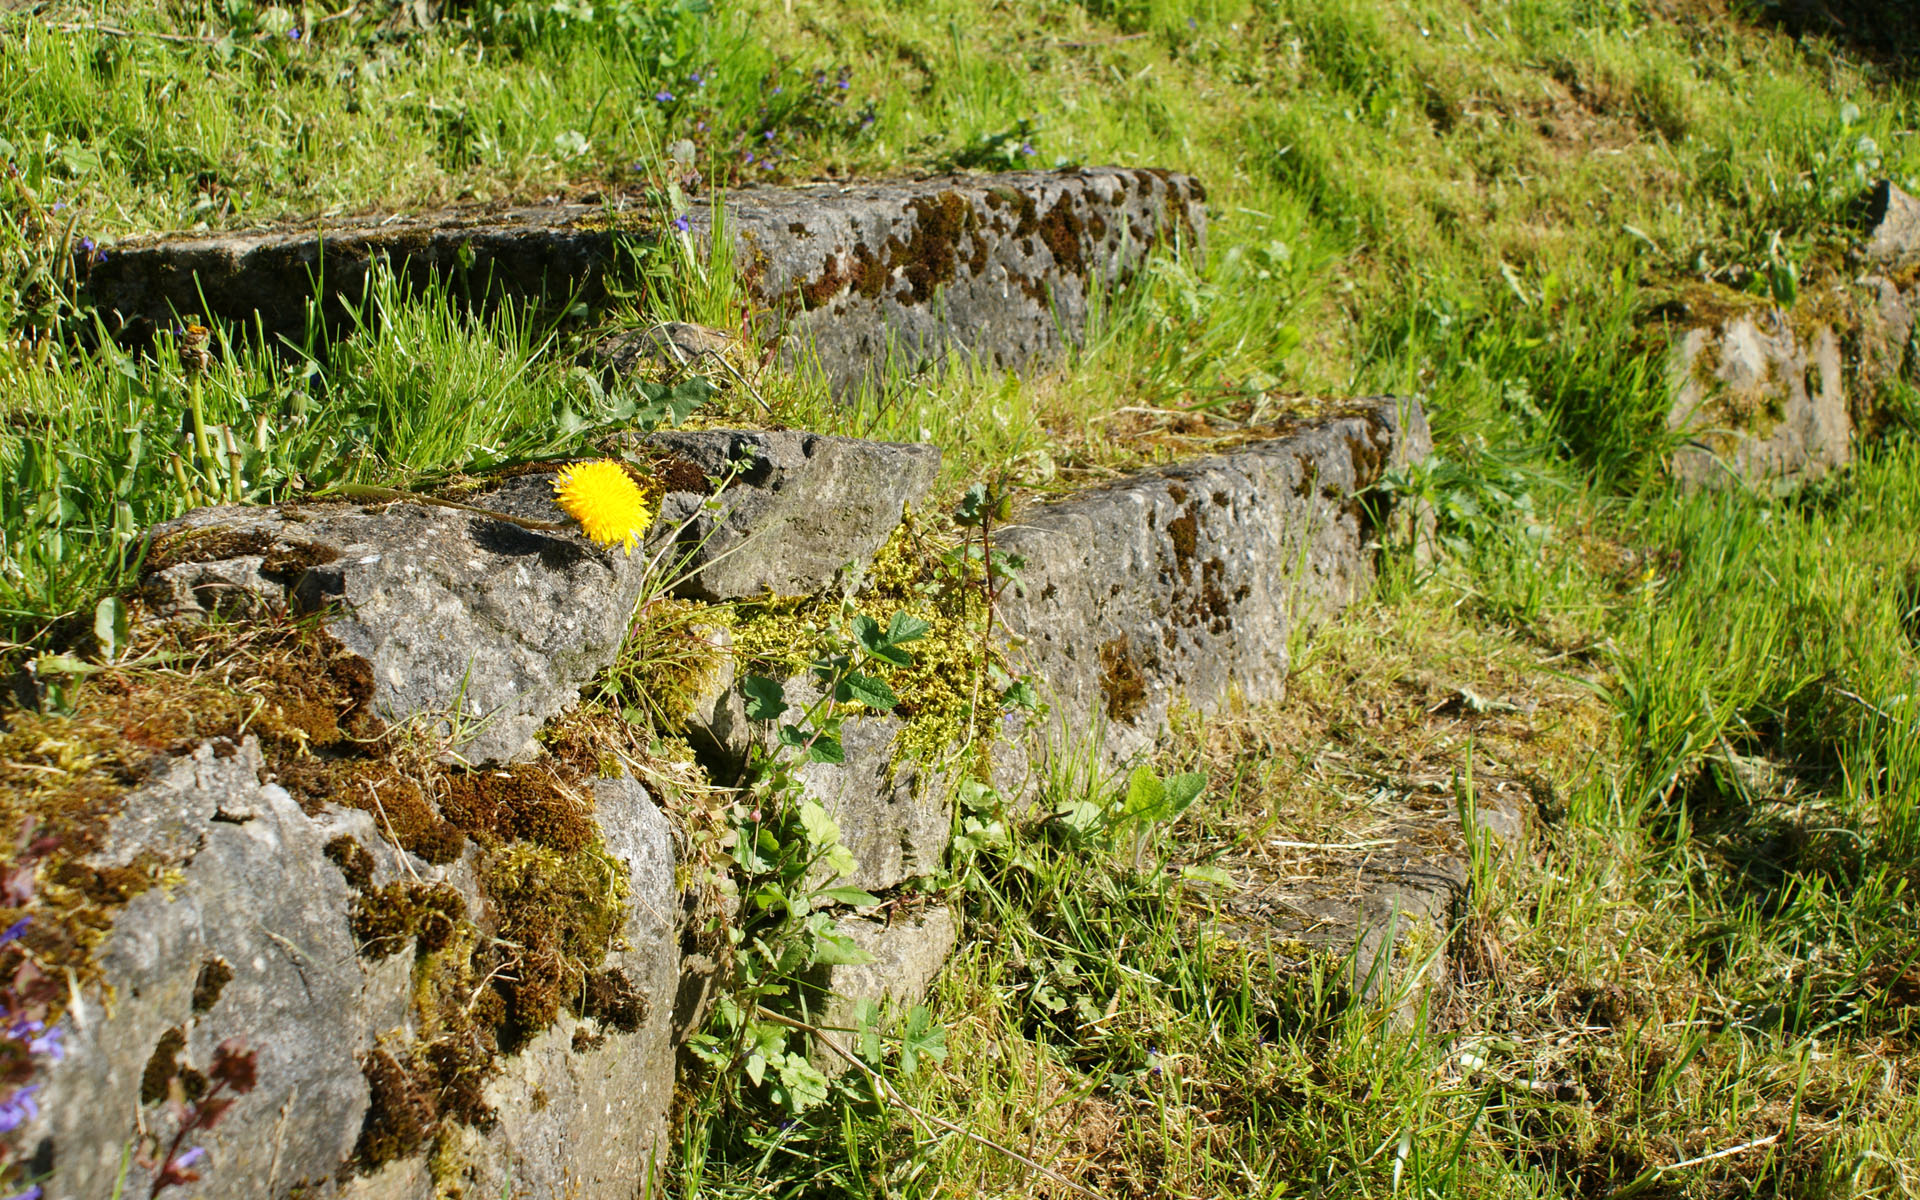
663 96
193 1155
696 79
293 35
699 126
749 158
1027 150
842 84
768 135
14 930
100 257
39 1039
59 205
777 90
16 1110
87 244
681 223
33 1193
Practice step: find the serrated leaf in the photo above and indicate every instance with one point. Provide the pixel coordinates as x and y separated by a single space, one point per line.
905 628
1020 694
866 631
872 692
826 750
921 1037
765 698
802 1086
794 736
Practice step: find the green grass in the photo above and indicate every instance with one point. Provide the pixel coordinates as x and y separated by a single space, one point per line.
1700 979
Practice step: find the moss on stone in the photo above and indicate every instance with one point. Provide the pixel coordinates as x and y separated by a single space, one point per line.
526 802
937 693
557 916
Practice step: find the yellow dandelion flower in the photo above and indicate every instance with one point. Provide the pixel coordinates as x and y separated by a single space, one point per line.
605 500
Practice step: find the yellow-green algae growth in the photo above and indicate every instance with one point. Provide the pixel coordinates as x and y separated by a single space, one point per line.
941 692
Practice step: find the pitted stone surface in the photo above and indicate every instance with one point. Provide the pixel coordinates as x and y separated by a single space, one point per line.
460 616
1000 267
1759 402
1386 897
255 892
808 508
1182 586
1893 237
258 896
908 952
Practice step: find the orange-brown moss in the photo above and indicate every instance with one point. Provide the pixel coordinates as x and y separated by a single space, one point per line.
557 915
1122 682
528 802
386 918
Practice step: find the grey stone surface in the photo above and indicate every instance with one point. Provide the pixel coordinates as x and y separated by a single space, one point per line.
1184 585
1759 402
462 617
669 346
255 892
595 1123
1890 288
810 507
908 952
258 896
1893 235
1381 897
1000 267
997 266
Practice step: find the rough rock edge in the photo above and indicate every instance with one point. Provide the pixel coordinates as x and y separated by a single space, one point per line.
1315 469
1000 267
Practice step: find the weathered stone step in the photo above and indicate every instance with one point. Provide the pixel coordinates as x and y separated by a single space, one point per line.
1181 585
1763 394
1000 267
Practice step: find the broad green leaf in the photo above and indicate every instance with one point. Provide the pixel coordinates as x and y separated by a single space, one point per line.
866 631
826 750
822 829
874 693
1181 792
848 895
921 1037
1207 874
839 950
802 1086
1145 795
765 699
756 1068
905 628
